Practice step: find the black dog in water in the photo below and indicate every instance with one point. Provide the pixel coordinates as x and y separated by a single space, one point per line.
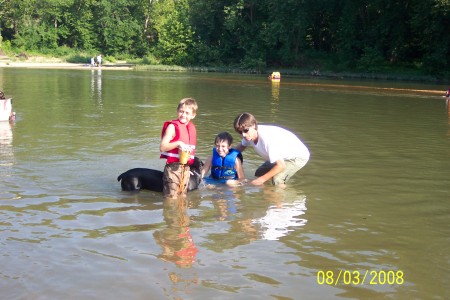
150 179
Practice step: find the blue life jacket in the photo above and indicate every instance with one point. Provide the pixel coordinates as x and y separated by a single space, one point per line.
223 167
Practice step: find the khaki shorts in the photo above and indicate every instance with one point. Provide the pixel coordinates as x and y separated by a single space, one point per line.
175 180
292 166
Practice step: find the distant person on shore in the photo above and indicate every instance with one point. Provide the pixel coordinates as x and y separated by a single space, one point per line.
99 60
284 152
225 162
92 61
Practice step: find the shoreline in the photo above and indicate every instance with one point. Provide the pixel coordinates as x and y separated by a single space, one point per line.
63 65
38 62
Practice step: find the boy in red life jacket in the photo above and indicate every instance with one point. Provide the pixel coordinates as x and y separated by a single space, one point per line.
177 135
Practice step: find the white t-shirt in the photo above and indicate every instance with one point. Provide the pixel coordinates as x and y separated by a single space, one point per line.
276 143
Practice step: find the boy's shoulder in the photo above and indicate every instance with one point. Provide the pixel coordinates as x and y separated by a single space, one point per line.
268 128
275 132
272 128
237 154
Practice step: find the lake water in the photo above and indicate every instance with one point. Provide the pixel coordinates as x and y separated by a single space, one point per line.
367 218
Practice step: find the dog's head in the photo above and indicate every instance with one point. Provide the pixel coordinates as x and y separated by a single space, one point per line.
197 165
196 170
130 183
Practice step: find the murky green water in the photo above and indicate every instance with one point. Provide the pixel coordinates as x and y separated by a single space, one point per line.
372 201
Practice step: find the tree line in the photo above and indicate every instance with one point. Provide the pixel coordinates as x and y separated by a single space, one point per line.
362 35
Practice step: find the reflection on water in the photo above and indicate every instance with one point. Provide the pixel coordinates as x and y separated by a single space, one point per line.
275 101
281 217
96 86
7 159
175 240
273 214
6 148
177 244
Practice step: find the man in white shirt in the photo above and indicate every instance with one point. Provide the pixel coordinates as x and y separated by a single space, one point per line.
283 151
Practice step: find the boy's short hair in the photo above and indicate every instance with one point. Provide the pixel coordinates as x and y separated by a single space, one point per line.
189 103
224 136
243 121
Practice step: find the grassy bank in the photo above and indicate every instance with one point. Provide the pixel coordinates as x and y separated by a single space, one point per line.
394 75
66 55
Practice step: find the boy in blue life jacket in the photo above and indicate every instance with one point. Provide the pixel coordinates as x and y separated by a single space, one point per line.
224 165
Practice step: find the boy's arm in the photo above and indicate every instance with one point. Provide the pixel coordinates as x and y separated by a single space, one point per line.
169 134
239 168
240 147
277 168
206 166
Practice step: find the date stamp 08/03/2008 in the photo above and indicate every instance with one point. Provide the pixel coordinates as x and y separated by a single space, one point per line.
356 277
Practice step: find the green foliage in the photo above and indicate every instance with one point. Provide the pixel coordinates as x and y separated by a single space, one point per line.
79 58
6 47
204 55
76 25
174 31
367 36
109 58
433 62
371 61
117 29
150 59
255 64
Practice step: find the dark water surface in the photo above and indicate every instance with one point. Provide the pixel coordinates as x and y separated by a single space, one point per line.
373 201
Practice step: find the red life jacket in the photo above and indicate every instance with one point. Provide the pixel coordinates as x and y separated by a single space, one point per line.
185 133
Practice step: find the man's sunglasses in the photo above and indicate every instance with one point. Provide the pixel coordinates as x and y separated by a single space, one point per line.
244 131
